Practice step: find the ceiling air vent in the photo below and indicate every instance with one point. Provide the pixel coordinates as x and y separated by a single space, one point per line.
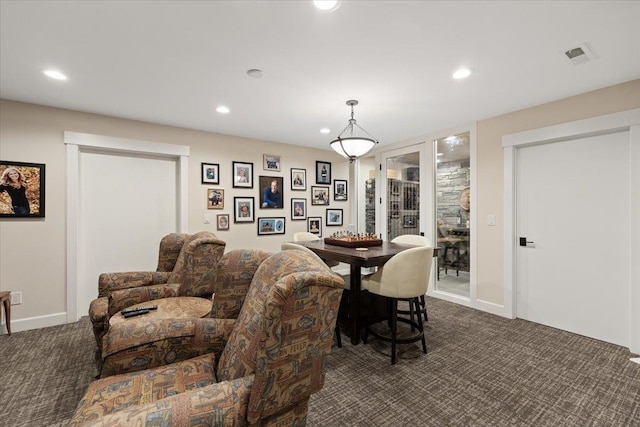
579 54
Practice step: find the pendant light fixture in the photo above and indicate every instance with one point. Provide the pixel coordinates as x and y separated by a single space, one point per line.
349 145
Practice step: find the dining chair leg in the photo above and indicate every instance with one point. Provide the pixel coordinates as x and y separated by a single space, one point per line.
421 326
423 301
394 329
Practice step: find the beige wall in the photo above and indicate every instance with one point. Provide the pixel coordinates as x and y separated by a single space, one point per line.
32 252
490 183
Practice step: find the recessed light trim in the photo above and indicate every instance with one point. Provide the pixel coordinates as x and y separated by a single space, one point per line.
326 5
325 130
223 109
55 74
462 73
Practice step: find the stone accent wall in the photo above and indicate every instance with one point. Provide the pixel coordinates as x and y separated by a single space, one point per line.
451 179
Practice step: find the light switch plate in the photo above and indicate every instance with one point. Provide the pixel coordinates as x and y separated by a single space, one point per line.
207 218
491 219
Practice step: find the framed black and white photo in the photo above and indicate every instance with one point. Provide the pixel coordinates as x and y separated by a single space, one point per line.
334 217
314 225
21 189
298 209
271 162
340 190
222 222
319 195
298 179
243 209
210 173
215 198
323 172
242 175
271 225
271 192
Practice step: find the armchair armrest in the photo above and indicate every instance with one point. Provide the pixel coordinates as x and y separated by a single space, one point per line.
224 403
130 347
109 282
127 297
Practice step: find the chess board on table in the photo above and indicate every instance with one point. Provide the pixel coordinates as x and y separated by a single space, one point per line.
353 241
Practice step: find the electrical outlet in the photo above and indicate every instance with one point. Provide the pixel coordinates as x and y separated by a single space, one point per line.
16 298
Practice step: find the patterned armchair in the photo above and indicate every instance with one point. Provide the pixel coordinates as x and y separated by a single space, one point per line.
185 268
258 369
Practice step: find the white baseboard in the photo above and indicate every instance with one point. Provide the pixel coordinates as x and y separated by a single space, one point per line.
493 308
38 322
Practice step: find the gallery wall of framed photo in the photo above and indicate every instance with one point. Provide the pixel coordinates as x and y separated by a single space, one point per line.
271 194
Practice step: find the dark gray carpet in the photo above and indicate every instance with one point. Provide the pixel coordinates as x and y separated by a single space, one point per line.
481 370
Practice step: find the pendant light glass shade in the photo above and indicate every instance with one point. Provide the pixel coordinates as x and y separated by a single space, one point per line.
350 146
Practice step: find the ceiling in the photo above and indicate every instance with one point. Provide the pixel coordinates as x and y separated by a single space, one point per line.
174 62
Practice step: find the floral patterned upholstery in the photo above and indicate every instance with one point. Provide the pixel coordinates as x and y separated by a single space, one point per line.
267 362
234 274
193 258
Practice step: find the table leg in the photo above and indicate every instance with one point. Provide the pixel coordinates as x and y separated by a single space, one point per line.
354 305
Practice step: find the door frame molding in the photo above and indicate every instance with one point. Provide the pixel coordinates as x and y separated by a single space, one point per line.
617 122
76 144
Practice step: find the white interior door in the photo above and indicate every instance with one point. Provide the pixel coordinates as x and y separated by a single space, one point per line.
572 202
126 204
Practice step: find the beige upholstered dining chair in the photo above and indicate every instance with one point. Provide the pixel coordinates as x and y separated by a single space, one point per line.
405 276
304 236
416 240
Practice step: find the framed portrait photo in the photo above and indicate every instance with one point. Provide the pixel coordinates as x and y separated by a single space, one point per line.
334 217
222 222
314 225
210 173
298 179
271 225
271 162
298 209
243 209
319 195
21 189
340 190
271 193
215 198
242 175
323 172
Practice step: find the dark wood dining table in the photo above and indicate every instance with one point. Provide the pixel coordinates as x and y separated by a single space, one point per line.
374 256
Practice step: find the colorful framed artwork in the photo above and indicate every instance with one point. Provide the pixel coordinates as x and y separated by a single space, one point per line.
271 162
210 173
298 179
319 195
323 172
314 225
21 189
243 209
222 222
340 190
215 198
271 193
298 209
242 175
270 225
334 217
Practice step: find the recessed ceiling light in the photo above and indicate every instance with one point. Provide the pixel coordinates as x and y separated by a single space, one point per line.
255 73
55 74
462 73
325 130
326 5
222 109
